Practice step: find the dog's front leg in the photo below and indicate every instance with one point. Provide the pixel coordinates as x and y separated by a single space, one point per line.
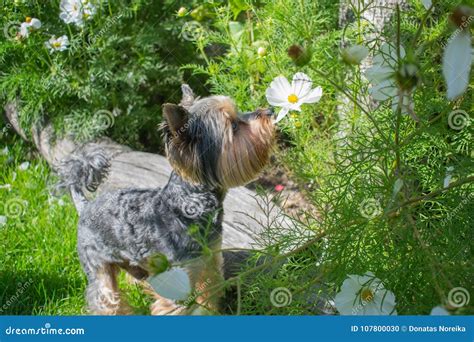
207 277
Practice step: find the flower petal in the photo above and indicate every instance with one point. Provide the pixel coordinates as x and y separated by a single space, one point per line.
378 73
384 302
439 311
173 284
387 55
35 23
277 93
313 96
301 84
24 30
346 302
276 98
383 91
427 3
282 114
457 62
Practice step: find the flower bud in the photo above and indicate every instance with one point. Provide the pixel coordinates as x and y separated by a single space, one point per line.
262 51
158 263
199 13
299 55
182 12
462 16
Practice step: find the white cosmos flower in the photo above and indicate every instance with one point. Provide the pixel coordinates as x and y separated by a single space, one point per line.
29 25
382 76
76 11
57 44
291 96
457 61
364 295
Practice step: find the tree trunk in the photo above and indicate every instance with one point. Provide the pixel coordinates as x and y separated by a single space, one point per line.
378 14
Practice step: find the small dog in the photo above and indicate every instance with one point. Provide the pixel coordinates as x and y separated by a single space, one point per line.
211 149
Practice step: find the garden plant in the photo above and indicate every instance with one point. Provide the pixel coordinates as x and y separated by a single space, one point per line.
373 105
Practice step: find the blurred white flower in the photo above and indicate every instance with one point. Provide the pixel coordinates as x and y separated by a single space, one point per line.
364 295
383 78
427 3
4 151
457 61
57 44
291 96
3 220
439 311
354 54
24 166
76 11
30 24
6 186
449 175
173 284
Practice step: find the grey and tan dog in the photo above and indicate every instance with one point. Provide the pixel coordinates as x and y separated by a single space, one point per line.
211 149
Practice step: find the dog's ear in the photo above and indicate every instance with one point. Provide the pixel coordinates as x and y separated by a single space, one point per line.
176 117
188 96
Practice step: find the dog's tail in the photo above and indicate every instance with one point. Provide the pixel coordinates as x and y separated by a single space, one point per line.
84 169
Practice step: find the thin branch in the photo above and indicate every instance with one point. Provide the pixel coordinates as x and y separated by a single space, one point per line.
416 200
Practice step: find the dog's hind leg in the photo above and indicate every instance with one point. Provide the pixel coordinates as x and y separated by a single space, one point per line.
103 294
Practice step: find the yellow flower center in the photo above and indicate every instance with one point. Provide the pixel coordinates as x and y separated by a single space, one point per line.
56 44
292 98
28 20
366 294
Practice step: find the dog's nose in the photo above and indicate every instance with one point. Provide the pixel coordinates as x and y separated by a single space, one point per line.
259 112
267 111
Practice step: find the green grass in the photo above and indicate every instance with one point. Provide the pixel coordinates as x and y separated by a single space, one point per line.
40 272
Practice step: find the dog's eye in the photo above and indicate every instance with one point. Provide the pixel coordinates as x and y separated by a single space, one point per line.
235 126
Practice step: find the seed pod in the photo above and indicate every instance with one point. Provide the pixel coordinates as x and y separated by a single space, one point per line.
300 55
462 16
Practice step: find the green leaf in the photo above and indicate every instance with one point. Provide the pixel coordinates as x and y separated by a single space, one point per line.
237 6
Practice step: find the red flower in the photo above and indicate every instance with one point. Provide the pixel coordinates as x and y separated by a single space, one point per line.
279 187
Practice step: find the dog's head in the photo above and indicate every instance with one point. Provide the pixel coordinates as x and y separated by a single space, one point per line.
209 142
